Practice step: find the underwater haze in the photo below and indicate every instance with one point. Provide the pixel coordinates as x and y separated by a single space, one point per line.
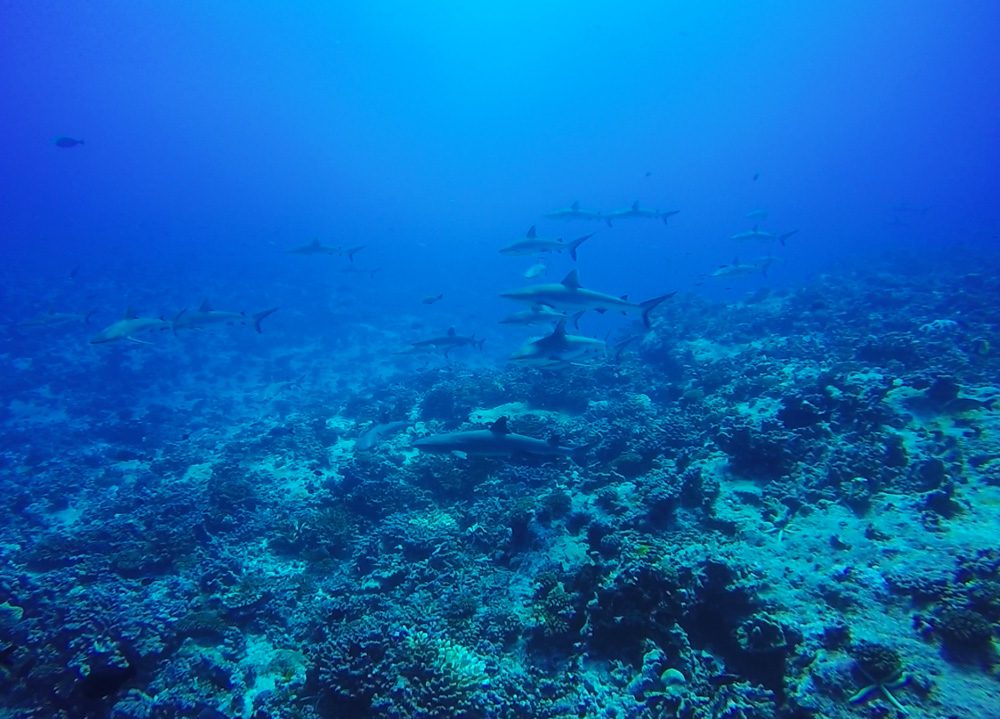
561 359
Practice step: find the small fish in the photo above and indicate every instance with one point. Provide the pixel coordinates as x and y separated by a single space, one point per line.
534 271
757 215
67 142
431 299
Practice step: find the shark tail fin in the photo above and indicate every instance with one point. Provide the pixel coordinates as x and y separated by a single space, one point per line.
173 322
608 220
575 244
649 305
782 238
261 316
353 251
479 344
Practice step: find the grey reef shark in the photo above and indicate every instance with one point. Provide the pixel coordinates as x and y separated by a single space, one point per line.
497 440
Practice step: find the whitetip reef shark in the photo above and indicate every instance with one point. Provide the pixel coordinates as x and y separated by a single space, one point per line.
571 296
497 441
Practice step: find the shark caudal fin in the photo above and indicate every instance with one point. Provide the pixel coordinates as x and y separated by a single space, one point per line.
261 316
649 305
782 238
176 319
575 244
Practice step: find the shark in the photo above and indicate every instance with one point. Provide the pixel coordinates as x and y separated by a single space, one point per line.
573 212
497 440
533 244
129 326
571 296
205 315
377 432
635 211
757 215
556 349
315 248
447 343
758 235
738 269
537 315
50 320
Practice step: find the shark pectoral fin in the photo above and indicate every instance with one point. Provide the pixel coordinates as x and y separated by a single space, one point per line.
459 453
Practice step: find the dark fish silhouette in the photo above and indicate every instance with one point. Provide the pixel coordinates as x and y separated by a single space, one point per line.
433 298
67 142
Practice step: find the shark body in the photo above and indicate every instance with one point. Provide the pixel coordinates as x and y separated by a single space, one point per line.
537 315
574 212
127 327
315 248
571 296
758 235
743 269
532 244
556 349
636 211
447 343
50 320
205 316
497 441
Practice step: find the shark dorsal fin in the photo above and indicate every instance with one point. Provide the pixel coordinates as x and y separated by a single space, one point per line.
205 307
130 313
530 233
754 228
314 243
635 205
553 441
575 206
560 330
500 426
451 331
572 280
624 297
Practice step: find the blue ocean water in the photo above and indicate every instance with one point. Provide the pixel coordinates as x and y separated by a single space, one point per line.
197 522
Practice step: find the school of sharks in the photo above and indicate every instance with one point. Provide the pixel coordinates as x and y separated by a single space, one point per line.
552 304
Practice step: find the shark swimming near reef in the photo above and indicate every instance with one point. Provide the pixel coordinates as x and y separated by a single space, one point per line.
571 296
532 244
448 342
377 432
536 315
205 316
129 326
556 349
497 441
636 211
742 269
758 235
